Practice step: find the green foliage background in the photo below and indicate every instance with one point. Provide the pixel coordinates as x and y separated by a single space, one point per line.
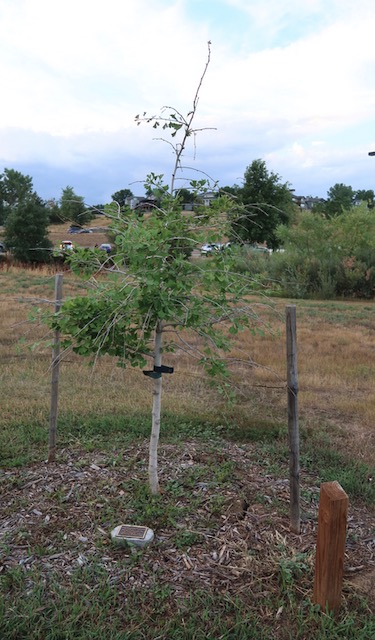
327 257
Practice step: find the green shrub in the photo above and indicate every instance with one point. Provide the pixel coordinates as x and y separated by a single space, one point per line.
250 260
327 258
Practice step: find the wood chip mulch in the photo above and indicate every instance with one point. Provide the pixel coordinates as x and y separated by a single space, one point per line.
58 517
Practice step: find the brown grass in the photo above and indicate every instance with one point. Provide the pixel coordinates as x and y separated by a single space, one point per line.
335 361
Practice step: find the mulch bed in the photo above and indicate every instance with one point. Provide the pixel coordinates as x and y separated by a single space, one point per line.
57 517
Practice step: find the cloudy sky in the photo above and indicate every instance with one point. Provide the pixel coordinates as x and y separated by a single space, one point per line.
290 81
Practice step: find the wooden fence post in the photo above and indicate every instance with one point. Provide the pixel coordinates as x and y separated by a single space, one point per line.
293 425
330 548
55 375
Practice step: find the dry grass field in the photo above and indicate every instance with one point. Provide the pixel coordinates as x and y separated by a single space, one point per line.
336 349
224 563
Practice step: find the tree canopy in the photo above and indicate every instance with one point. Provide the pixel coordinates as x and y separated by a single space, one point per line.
53 210
365 195
15 187
340 198
121 196
26 230
72 207
267 203
185 195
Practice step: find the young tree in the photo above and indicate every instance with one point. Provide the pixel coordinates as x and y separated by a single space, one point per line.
268 203
161 297
26 230
72 207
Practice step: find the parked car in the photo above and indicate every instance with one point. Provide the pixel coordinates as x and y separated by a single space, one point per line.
66 245
260 249
106 247
74 229
209 249
85 231
65 248
3 251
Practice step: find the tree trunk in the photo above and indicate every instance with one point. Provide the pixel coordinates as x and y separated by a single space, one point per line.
156 407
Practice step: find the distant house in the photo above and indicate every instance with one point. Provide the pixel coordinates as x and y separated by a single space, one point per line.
147 204
312 202
207 198
299 201
144 204
204 198
307 202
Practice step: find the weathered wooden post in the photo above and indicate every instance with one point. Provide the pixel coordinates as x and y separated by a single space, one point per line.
55 375
293 425
330 548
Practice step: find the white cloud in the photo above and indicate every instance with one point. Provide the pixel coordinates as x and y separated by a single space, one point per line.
78 65
75 73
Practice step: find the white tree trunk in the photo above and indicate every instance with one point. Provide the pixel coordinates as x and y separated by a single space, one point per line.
156 407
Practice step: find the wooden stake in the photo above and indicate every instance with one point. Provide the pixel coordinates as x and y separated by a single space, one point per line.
330 548
55 375
293 425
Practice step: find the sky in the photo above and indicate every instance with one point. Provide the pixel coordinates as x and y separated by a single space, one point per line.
291 82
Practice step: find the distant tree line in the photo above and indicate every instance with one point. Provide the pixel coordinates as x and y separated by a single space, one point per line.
259 206
265 203
341 198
